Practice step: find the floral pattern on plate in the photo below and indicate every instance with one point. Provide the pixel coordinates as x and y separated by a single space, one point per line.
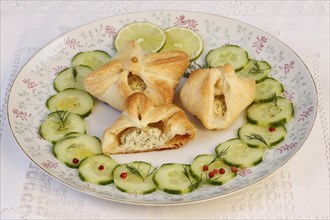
34 84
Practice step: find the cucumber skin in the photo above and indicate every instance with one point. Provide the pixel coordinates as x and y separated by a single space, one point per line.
269 124
239 165
126 191
238 69
283 121
270 144
210 181
173 191
99 183
143 193
82 115
53 142
54 86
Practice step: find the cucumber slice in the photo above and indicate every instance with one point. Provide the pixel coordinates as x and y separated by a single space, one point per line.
199 172
74 147
135 177
266 88
232 54
255 135
93 59
239 154
255 70
97 169
270 115
59 123
174 178
80 72
71 78
73 100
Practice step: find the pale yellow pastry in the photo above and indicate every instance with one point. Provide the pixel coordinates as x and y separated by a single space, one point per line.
217 96
145 127
155 74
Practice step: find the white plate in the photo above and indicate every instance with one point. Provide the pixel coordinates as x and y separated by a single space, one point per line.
34 84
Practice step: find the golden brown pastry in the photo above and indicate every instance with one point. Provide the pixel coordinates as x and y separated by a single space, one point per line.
145 127
217 96
155 74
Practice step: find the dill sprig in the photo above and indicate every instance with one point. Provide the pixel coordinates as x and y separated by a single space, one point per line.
219 155
256 68
193 183
274 98
258 137
192 66
62 118
136 171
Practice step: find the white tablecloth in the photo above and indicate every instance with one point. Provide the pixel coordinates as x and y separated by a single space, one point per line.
299 190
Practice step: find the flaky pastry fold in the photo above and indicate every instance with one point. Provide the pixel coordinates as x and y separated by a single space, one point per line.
143 126
216 96
155 74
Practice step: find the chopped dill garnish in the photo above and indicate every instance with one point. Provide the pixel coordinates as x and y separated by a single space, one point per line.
258 137
136 171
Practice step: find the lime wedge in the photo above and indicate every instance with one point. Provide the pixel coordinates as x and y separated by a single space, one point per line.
150 37
188 41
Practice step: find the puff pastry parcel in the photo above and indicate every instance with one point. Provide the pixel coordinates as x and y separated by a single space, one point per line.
155 74
145 127
217 96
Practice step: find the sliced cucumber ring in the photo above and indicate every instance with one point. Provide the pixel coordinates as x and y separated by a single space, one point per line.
271 114
135 177
74 147
94 59
174 178
255 70
239 154
202 167
59 123
73 100
71 78
97 169
266 88
260 136
232 54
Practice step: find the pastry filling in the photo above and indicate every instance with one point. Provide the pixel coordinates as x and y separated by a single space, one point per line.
137 139
219 105
136 82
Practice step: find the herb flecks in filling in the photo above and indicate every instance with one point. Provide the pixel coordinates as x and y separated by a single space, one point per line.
219 104
142 139
136 83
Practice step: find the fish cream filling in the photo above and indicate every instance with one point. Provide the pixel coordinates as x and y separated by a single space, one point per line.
219 104
136 82
142 139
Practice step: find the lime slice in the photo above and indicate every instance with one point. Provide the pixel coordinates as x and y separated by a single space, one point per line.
178 38
150 37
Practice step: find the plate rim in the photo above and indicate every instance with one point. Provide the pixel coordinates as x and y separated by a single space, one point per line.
150 203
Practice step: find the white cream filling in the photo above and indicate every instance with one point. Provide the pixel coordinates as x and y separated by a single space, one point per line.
147 138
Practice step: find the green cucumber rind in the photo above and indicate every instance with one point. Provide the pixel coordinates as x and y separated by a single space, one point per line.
210 181
128 191
281 121
272 144
73 60
86 113
68 136
280 92
230 45
171 191
83 178
44 136
237 164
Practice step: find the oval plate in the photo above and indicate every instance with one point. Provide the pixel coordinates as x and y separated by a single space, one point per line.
34 84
